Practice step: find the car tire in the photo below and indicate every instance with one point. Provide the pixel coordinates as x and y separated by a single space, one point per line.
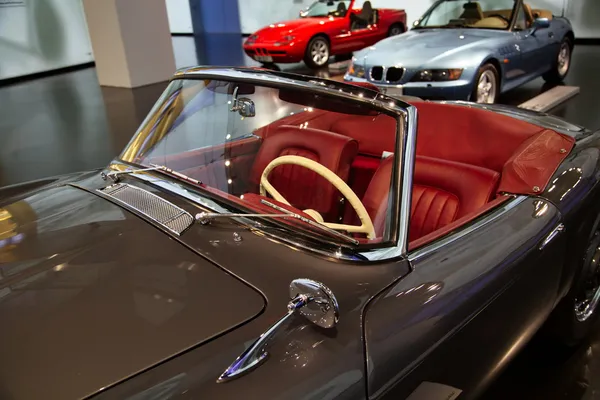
395 30
271 66
562 63
317 52
487 85
566 323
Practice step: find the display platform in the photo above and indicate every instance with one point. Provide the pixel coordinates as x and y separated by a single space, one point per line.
551 98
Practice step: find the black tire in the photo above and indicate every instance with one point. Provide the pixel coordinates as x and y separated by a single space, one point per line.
563 323
320 44
342 57
486 69
558 72
396 29
271 66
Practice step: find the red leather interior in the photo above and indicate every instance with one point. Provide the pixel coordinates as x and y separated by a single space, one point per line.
302 187
465 156
423 240
315 119
526 171
367 85
376 197
469 135
374 134
216 165
444 191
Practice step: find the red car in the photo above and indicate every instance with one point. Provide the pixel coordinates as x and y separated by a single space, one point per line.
326 28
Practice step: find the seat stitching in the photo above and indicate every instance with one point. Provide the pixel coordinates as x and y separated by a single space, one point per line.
437 223
435 194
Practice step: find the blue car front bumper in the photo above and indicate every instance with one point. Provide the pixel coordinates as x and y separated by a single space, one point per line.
455 90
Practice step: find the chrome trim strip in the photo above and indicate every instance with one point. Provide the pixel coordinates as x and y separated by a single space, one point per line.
408 162
552 235
204 202
212 206
495 214
256 354
283 79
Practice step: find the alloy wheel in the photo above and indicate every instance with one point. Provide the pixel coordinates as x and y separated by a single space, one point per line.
564 59
486 87
586 301
319 52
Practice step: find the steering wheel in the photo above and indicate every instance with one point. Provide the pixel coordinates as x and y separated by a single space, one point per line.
366 223
500 16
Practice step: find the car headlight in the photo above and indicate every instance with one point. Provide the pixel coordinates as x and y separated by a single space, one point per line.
251 39
437 75
285 40
356 70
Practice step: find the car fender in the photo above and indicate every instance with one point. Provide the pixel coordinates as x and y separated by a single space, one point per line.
575 190
561 27
13 193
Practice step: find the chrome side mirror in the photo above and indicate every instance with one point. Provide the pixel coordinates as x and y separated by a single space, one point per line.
321 308
309 298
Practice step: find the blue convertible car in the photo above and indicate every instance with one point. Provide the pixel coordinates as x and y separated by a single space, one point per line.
469 50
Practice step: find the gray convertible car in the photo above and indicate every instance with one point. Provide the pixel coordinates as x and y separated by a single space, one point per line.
274 236
469 50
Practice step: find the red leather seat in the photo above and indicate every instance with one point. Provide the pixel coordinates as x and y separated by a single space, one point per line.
303 188
442 192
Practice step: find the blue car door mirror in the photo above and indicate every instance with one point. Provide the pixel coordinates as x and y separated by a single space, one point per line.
540 23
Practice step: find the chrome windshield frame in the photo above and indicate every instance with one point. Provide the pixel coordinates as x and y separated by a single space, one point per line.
406 135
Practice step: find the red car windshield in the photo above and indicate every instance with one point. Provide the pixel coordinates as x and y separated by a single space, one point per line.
330 8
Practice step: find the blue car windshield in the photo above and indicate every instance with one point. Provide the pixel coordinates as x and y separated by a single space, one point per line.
482 14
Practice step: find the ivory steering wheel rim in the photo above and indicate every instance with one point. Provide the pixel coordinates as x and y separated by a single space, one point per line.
366 226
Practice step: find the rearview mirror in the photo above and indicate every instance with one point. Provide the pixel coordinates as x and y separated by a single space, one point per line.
540 23
245 107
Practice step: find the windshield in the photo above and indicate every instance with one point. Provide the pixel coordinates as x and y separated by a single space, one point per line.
330 8
227 138
483 14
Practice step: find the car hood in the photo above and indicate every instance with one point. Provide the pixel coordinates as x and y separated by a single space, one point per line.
91 294
427 46
277 30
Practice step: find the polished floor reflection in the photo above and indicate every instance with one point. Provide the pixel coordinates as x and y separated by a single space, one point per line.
67 123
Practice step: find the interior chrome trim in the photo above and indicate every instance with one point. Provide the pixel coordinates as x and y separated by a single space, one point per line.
495 214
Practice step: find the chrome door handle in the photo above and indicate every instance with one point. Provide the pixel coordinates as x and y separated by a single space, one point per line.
559 228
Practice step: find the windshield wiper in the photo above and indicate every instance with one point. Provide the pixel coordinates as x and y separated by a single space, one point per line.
205 218
114 175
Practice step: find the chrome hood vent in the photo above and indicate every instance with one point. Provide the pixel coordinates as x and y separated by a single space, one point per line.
157 209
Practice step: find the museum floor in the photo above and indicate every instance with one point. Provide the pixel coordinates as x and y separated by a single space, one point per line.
67 123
